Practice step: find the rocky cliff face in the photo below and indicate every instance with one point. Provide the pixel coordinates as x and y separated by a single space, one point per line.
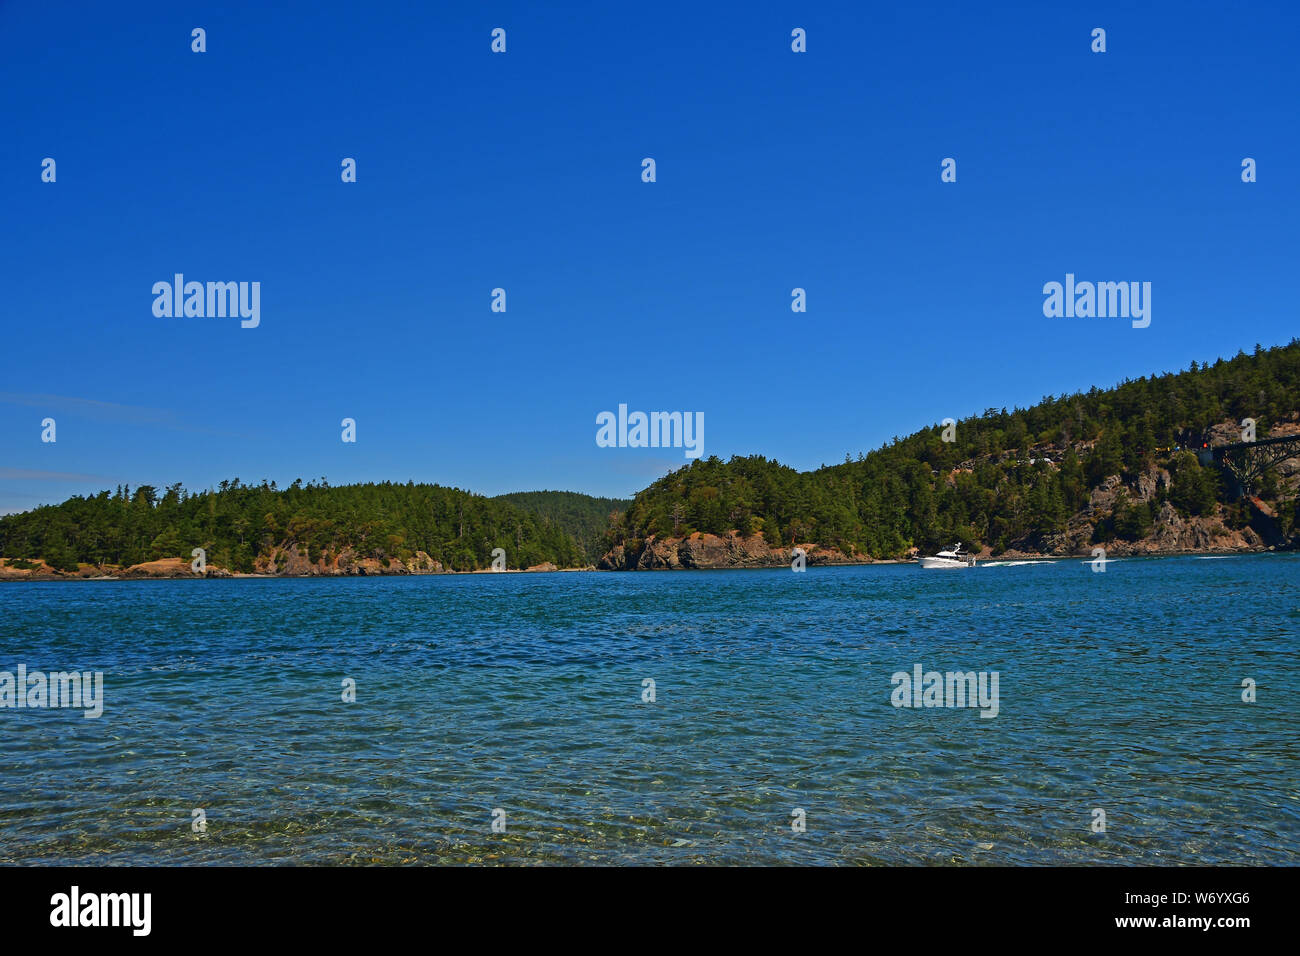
162 568
1171 533
291 561
281 562
711 551
285 561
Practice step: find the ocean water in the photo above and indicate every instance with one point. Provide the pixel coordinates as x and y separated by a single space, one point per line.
1119 691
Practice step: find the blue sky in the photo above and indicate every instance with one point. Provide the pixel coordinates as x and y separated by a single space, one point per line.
522 170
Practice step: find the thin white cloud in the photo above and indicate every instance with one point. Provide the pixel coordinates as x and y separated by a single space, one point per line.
27 474
110 412
90 408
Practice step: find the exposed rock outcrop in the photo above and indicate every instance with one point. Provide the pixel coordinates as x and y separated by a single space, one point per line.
293 561
710 551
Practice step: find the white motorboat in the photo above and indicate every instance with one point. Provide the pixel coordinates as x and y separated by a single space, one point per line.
954 558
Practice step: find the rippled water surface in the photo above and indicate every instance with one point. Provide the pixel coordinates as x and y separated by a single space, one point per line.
1120 691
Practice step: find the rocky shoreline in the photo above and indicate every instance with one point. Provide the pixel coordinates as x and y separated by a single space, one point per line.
178 568
696 553
709 551
712 552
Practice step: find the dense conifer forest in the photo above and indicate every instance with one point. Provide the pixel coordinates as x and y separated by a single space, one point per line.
1007 476
236 522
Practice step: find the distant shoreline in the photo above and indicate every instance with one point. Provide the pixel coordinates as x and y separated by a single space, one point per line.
8 575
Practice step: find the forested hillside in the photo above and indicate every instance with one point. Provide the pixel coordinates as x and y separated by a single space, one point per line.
584 517
237 523
1008 479
1107 465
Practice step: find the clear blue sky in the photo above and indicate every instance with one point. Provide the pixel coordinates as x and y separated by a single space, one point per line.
523 171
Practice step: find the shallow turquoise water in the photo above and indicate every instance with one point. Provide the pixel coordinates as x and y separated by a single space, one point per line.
1119 691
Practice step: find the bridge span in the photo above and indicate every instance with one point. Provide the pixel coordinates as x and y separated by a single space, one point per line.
1247 461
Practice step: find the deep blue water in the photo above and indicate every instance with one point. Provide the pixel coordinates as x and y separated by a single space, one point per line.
1120 691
